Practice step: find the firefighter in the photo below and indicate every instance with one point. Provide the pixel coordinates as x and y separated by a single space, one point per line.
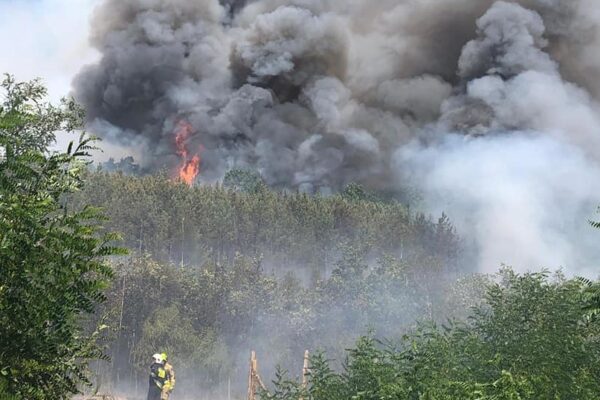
158 377
170 378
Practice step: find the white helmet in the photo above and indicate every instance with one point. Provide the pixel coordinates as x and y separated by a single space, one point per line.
157 358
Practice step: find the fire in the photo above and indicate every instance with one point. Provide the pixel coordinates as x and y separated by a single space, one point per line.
190 166
189 171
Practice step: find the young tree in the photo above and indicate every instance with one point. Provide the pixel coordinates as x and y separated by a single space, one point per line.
591 289
52 260
243 180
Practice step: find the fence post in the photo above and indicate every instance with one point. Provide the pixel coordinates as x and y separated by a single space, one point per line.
305 373
251 386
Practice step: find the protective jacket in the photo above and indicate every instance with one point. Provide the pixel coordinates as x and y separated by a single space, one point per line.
169 381
156 381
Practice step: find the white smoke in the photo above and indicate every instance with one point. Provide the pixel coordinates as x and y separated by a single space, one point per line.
523 190
521 197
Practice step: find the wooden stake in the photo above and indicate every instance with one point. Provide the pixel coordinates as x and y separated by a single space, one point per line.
305 372
254 378
251 386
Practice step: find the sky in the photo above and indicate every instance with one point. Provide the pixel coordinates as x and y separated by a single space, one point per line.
46 39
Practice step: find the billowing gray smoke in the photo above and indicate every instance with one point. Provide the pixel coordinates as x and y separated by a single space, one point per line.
489 108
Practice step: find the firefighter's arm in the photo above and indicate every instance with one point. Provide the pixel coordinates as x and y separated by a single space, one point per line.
170 383
172 378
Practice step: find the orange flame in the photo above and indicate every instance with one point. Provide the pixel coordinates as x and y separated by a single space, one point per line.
189 171
190 167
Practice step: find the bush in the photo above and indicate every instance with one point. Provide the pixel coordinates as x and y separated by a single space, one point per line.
52 259
530 340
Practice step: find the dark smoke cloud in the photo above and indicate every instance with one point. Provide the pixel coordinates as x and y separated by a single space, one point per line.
318 93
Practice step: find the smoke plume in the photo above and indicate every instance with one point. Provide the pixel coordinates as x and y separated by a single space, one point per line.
489 108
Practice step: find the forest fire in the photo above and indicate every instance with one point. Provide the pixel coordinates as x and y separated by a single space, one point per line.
190 167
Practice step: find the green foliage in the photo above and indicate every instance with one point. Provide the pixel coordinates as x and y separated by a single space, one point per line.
52 259
247 265
243 180
529 340
595 224
356 192
285 388
196 352
172 221
195 314
27 121
205 314
591 290
4 391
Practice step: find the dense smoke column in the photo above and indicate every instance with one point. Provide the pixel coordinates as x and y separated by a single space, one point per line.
317 94
152 52
312 94
532 149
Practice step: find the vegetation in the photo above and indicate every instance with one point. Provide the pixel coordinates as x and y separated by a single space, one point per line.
244 181
27 122
256 268
175 223
529 340
51 257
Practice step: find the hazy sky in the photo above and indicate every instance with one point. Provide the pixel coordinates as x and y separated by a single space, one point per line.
46 39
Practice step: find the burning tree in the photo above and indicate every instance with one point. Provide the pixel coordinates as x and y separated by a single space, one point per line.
190 164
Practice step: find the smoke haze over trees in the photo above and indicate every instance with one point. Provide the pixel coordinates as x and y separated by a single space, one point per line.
218 271
488 108
221 270
527 341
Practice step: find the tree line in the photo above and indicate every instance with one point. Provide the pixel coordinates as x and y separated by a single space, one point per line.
175 223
